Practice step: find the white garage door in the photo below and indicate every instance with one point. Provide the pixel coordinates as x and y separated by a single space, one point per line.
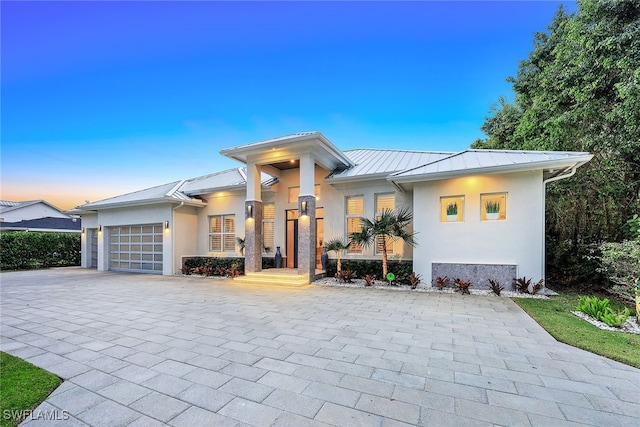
136 248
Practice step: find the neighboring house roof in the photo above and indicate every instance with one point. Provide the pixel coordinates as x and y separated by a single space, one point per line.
45 224
470 162
8 206
377 163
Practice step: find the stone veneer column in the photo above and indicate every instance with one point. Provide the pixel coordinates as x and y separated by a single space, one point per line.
253 236
307 237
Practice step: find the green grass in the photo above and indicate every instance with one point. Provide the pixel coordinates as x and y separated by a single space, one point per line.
23 386
554 315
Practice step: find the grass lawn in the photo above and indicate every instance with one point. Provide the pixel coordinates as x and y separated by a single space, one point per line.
23 386
554 315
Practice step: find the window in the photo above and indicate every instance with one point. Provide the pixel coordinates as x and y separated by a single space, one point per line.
384 202
493 207
222 233
452 209
294 192
355 211
269 214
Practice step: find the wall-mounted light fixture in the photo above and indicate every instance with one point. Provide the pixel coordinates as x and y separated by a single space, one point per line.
100 228
82 230
303 208
249 211
166 225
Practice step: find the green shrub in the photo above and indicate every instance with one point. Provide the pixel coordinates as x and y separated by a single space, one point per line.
21 250
373 268
601 309
620 263
215 263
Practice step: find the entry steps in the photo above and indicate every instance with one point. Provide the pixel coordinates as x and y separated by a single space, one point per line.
274 276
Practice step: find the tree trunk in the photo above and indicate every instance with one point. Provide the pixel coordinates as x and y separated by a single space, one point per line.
339 262
384 260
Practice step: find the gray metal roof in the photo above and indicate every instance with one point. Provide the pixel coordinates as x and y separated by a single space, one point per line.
490 161
230 178
380 163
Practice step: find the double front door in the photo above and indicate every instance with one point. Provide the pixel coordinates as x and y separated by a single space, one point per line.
292 237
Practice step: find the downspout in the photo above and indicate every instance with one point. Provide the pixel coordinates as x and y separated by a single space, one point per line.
544 214
173 236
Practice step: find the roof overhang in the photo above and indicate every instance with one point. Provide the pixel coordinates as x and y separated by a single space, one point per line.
278 150
92 208
550 168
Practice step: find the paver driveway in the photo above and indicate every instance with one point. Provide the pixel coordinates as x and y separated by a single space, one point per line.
148 350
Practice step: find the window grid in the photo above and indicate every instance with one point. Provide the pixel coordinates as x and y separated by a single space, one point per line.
354 213
222 233
384 202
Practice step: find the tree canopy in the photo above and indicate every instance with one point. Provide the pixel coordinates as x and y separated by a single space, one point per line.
579 90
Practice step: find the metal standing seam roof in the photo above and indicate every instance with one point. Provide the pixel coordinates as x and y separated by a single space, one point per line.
470 161
382 162
164 191
6 205
229 178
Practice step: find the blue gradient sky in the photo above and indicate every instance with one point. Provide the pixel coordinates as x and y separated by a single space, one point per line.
99 99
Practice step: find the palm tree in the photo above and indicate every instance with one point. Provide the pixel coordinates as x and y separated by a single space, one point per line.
389 226
337 245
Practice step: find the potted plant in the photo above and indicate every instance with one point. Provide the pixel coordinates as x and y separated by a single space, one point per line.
492 209
452 212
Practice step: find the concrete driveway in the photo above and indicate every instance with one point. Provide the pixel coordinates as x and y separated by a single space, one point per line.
148 350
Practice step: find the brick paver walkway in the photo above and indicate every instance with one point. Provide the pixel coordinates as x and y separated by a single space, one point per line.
147 350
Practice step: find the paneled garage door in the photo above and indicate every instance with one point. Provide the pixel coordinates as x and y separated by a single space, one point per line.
136 248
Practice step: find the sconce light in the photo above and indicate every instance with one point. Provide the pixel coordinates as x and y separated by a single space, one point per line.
303 208
249 211
82 230
100 228
166 225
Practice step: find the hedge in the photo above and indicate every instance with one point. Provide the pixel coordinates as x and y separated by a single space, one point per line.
20 250
361 268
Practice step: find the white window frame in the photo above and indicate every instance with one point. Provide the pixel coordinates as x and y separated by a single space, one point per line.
353 249
272 222
378 245
222 233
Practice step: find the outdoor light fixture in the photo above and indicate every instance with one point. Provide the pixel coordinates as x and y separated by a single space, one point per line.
249 211
100 228
82 230
166 225
303 208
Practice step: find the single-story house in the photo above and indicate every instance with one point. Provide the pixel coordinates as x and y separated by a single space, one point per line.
47 224
30 209
477 213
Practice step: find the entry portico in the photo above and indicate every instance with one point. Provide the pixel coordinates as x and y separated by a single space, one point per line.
302 151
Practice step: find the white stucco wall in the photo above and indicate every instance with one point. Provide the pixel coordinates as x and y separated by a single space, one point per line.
220 203
137 215
89 222
184 234
517 240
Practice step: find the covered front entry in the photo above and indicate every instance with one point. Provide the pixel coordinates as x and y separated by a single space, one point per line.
292 237
136 248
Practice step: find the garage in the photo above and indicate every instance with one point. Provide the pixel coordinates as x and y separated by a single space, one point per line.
136 248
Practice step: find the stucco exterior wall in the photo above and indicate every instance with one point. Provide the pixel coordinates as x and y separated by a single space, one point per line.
184 232
89 222
517 240
138 215
220 203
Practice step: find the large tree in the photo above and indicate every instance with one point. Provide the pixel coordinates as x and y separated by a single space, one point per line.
579 90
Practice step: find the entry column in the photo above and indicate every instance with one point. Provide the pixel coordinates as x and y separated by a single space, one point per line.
307 218
253 220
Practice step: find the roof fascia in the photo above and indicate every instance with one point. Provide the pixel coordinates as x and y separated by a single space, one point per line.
521 167
137 203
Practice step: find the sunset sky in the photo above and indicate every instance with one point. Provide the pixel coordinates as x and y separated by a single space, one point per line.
104 98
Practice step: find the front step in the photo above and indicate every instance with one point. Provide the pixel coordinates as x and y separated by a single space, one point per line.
286 279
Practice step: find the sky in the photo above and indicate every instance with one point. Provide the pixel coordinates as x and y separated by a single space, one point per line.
104 98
